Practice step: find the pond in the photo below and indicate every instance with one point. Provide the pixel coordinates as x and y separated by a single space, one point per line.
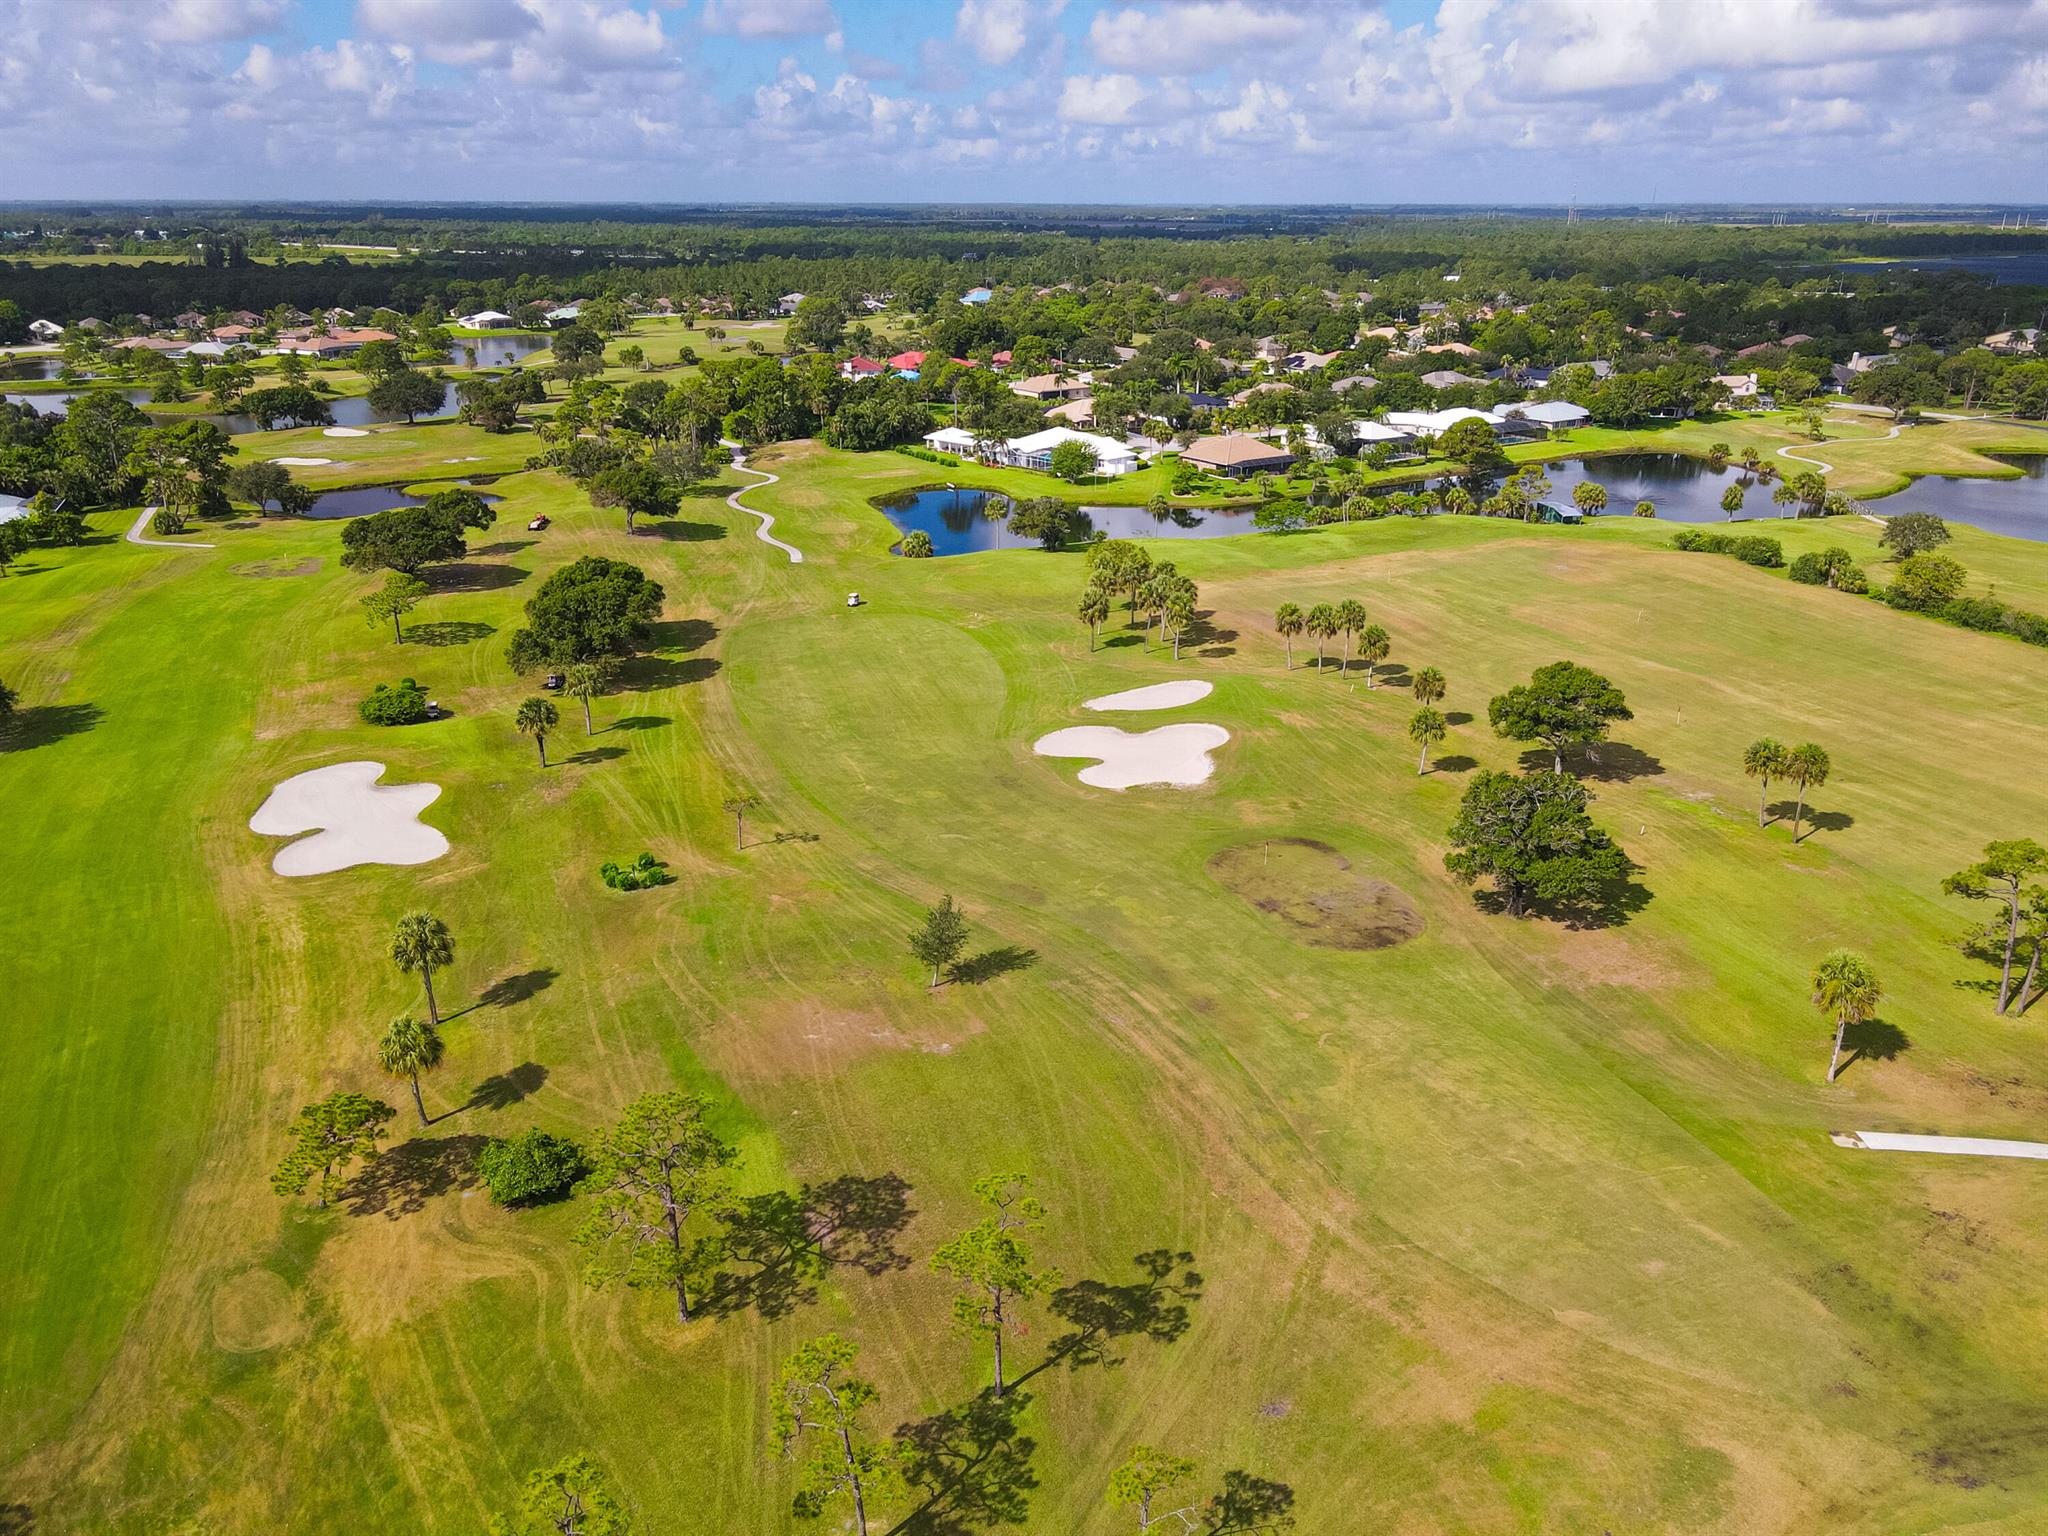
2016 508
953 519
31 367
501 349
362 500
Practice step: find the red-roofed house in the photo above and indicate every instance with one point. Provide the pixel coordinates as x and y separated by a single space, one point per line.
906 360
862 368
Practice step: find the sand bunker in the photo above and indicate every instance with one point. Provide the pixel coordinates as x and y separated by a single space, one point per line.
1156 696
343 432
1312 888
355 820
1172 754
302 463
474 458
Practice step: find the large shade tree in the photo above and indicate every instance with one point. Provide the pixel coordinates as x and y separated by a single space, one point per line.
993 1264
1562 705
590 608
659 1177
1532 836
2007 879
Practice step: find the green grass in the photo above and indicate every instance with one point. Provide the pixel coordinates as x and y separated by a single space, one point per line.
1509 1228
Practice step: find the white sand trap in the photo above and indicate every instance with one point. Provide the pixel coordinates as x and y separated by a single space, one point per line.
355 820
302 463
343 432
1172 754
1955 1146
474 458
1154 696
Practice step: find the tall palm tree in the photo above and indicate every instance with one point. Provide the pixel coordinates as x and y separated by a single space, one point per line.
585 680
1290 621
1322 623
1459 502
536 717
423 943
1808 766
1590 496
1093 609
1767 758
1373 646
1427 728
1429 686
997 510
1846 989
1350 620
408 1049
736 806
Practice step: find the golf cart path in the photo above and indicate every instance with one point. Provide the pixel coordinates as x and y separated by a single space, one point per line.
1955 1146
1828 469
767 520
142 522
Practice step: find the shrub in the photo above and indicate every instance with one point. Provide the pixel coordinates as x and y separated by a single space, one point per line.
1809 570
1833 567
400 703
930 456
1926 581
643 872
1755 549
165 521
916 545
531 1167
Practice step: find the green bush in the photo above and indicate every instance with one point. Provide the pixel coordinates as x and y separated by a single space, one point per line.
165 521
400 703
1833 567
917 545
1755 549
643 872
930 455
530 1168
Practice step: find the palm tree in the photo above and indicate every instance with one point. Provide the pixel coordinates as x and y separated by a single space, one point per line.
584 680
1646 508
1847 990
1767 758
1093 609
737 806
1590 496
1429 686
1458 502
1322 623
1373 646
1351 621
408 1049
1808 766
1784 496
1426 729
536 717
422 943
997 510
1731 499
1290 622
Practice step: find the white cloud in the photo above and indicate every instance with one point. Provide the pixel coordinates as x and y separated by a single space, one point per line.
996 31
1190 38
450 31
211 21
1100 98
770 18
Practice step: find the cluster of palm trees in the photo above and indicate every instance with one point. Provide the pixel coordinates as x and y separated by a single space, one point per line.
1158 591
420 944
1806 765
583 681
1324 622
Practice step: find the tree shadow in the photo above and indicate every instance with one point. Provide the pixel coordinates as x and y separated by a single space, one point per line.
791 1240
507 991
639 723
594 755
1811 821
973 1466
403 1179
1390 674
679 531
468 576
504 547
41 724
786 836
1616 902
508 1088
991 963
1457 717
1100 1315
1872 1040
1457 762
448 632
1607 762
16 1520
681 634
1248 1503
1111 642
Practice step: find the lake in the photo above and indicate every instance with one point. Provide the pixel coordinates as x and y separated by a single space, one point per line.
361 501
2022 267
504 349
351 411
2016 508
953 520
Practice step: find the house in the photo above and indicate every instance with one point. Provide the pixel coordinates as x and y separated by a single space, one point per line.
1456 348
2026 339
1201 401
862 368
1124 354
1307 362
1353 381
906 362
1542 416
1234 457
44 330
1449 378
482 320
1742 388
1217 288
1268 349
212 349
1035 451
1435 423
335 344
233 333
1266 387
977 296
1371 434
564 314
13 508
245 317
786 305
1047 386
188 320
1075 413
1002 358
952 440
148 344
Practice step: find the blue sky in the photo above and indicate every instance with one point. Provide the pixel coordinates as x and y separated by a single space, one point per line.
1194 101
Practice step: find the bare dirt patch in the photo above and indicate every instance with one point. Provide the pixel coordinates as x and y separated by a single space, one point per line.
269 568
811 1039
1312 888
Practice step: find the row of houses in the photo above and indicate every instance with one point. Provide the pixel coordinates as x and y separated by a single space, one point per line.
1034 451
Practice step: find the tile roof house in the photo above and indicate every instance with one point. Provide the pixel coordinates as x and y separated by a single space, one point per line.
1235 457
862 368
1047 386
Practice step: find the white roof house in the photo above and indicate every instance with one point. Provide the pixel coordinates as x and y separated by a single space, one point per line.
1549 413
786 305
12 507
45 330
563 312
1431 423
483 320
1379 432
951 440
1035 450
